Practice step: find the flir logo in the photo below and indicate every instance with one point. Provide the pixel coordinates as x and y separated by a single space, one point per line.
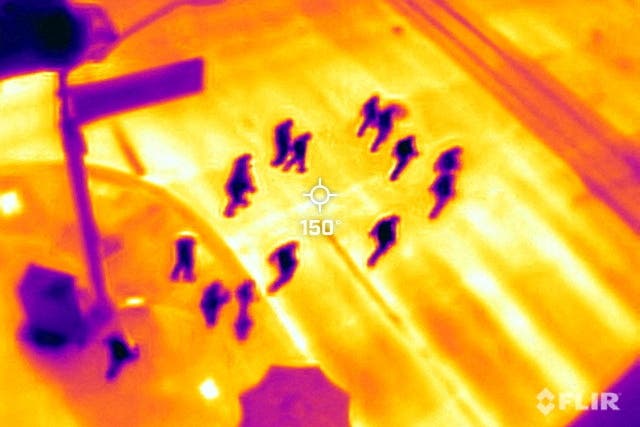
568 400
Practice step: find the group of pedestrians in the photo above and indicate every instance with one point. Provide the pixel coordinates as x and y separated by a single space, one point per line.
291 151
216 296
382 119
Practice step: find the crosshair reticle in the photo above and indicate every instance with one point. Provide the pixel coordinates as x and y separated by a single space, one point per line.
320 202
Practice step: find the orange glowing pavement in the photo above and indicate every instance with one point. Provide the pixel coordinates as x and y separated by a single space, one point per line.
526 281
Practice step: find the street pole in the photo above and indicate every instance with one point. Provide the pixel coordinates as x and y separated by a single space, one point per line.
75 150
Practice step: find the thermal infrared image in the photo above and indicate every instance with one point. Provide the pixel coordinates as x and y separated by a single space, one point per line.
319 213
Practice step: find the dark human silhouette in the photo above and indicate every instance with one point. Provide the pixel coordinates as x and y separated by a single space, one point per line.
282 140
245 294
298 153
385 125
443 190
185 259
119 353
239 184
215 296
284 258
243 325
404 151
290 152
384 233
448 161
369 114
